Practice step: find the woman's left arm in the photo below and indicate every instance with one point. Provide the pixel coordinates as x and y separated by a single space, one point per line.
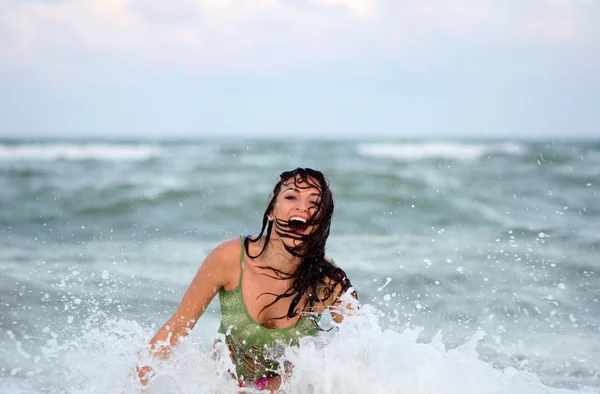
343 305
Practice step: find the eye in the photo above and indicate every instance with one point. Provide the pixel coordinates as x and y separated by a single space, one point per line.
315 203
290 197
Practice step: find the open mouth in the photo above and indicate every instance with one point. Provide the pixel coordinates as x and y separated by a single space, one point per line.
297 224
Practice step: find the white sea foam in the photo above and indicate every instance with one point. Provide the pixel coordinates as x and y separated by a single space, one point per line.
360 357
428 150
76 152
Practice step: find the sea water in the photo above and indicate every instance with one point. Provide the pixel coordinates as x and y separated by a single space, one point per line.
475 262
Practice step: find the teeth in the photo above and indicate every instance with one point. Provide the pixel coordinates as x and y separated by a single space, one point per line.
298 218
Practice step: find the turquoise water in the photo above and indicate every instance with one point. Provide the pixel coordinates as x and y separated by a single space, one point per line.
100 239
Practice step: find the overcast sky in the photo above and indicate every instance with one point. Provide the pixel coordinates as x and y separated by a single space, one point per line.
300 68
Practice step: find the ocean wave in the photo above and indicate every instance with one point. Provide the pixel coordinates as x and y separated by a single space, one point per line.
99 353
433 150
23 173
79 152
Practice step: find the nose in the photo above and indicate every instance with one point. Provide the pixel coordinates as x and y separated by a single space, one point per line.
302 207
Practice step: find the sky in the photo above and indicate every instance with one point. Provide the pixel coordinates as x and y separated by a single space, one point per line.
300 68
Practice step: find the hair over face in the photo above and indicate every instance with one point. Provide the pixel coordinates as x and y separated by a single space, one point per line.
315 276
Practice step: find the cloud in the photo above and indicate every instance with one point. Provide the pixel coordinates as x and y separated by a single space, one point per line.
362 8
241 35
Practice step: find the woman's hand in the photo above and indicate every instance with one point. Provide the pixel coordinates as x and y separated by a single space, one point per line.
144 374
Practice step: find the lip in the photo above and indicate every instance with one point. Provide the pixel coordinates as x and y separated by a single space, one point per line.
299 230
298 216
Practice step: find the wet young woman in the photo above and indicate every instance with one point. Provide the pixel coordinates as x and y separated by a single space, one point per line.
273 287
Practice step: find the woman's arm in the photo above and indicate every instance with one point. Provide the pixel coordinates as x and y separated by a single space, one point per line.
340 309
337 309
214 273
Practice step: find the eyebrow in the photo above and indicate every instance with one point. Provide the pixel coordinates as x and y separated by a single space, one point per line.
298 191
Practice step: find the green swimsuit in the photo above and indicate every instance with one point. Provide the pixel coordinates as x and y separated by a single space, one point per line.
254 348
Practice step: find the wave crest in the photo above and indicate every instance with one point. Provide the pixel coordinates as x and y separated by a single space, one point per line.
432 150
79 152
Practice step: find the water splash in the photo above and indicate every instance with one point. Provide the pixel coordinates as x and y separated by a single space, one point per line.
358 356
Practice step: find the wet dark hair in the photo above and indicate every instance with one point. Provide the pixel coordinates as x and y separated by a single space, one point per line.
315 276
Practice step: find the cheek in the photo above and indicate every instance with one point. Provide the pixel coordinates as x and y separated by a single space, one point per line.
315 214
282 203
279 206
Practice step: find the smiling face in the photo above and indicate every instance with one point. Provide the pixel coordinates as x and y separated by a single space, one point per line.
297 206
300 211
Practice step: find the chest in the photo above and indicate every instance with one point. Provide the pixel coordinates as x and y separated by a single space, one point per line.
259 290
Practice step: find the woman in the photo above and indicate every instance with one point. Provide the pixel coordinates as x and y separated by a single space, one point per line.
272 288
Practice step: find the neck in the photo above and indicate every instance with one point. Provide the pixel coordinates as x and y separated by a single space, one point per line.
277 257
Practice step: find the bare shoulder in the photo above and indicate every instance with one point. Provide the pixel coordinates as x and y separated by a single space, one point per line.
226 253
223 262
232 245
331 261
